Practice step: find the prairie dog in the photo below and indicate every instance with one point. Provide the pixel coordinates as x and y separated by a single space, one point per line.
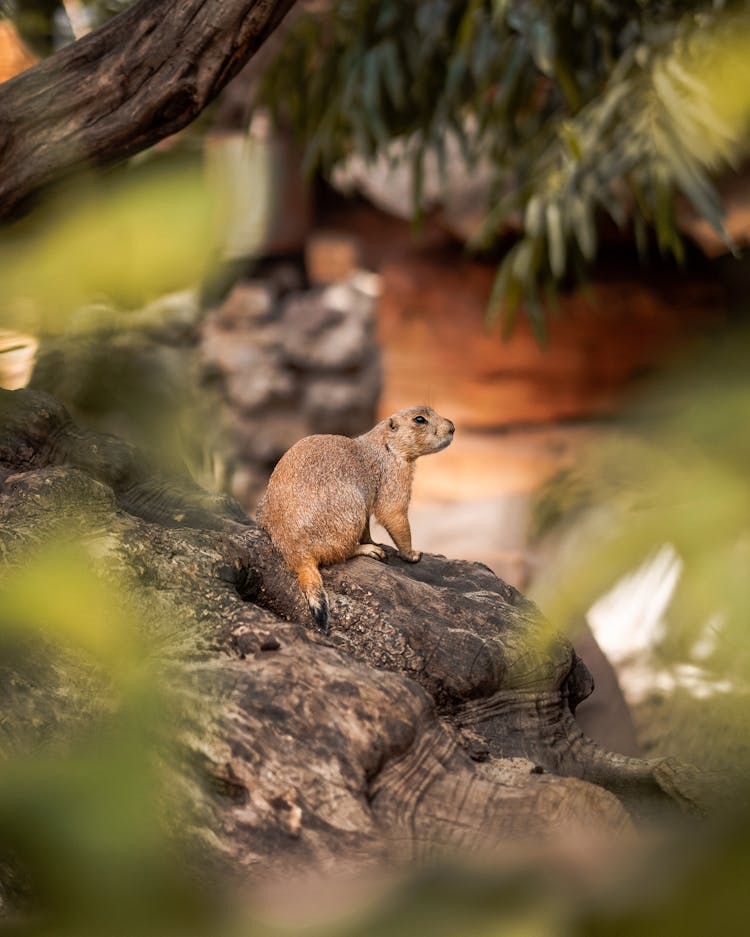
321 495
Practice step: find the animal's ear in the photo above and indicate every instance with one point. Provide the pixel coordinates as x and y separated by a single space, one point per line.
392 423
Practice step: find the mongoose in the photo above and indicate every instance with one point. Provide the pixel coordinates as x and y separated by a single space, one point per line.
321 495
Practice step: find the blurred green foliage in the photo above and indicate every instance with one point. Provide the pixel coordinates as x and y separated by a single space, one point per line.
673 470
585 112
127 237
91 808
100 796
691 890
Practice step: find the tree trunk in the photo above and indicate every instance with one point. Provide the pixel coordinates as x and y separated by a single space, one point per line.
436 717
144 75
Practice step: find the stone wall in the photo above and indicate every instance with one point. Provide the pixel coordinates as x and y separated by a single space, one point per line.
286 368
230 388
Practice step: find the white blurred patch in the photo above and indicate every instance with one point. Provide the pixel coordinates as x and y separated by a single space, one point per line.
629 619
629 624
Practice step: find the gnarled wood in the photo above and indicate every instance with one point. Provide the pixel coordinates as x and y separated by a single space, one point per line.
145 74
438 716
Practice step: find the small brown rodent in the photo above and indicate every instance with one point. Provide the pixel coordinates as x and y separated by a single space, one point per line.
321 495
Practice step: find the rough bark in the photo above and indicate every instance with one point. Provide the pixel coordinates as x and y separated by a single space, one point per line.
144 75
437 717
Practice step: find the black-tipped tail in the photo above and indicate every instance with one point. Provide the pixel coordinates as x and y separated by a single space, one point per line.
319 610
311 583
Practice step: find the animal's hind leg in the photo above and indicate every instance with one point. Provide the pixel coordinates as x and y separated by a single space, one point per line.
311 584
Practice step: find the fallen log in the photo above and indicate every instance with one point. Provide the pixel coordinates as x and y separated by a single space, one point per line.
438 716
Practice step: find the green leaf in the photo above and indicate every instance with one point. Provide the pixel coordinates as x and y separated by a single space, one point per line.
555 240
498 291
455 74
437 143
522 264
569 137
511 305
494 220
581 220
543 47
468 28
663 211
696 185
535 315
371 118
394 77
388 17
533 217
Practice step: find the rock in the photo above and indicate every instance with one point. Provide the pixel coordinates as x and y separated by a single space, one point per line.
261 384
264 439
306 364
249 303
329 330
331 256
171 319
229 390
343 405
281 276
459 193
247 485
222 352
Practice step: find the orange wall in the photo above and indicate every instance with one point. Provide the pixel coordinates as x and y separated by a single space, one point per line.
437 348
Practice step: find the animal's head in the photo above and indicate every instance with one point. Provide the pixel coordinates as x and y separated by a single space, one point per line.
418 431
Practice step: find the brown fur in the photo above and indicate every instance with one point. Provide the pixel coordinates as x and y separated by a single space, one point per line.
324 490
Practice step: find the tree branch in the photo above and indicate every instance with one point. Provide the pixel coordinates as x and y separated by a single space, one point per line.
144 75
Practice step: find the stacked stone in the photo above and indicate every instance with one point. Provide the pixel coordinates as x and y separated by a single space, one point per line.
227 391
285 368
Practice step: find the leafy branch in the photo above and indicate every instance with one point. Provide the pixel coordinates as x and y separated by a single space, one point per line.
583 111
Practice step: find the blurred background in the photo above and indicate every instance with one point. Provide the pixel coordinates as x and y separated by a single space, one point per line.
530 216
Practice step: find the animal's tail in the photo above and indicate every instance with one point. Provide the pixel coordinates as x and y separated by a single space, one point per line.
311 583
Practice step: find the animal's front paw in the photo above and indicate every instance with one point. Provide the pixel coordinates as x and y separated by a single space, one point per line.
372 550
410 556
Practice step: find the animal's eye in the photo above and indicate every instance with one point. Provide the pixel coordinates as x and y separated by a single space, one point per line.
419 419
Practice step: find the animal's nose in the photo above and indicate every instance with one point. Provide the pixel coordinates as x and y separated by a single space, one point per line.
451 427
